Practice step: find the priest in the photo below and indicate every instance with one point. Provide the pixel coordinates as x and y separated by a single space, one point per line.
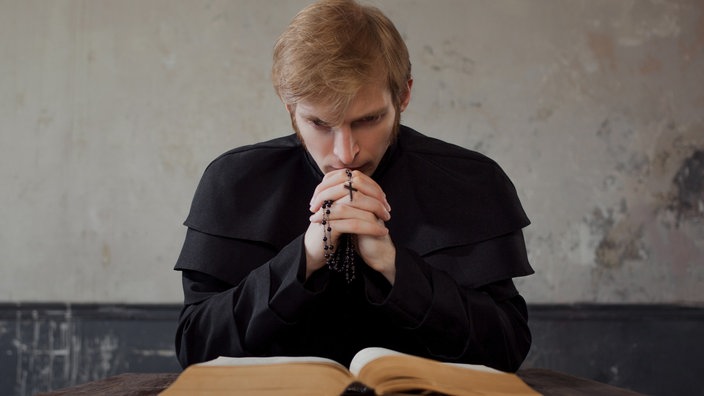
355 230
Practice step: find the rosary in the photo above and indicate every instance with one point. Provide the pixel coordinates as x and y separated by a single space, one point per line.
341 260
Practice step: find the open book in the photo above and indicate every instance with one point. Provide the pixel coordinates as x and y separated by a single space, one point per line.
373 371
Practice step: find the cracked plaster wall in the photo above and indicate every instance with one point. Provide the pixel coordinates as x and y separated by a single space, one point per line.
111 110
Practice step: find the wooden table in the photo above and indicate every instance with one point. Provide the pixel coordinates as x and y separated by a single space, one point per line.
547 382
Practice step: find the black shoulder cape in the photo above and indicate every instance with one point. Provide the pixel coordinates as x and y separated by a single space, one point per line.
442 196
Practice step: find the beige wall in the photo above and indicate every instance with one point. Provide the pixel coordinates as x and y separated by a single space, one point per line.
110 110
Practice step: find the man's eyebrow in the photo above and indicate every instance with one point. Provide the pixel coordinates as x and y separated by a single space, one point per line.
310 116
374 113
314 118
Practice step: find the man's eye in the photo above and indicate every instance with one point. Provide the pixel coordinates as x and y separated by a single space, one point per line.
320 124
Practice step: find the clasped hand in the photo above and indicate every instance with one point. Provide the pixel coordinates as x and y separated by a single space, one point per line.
362 216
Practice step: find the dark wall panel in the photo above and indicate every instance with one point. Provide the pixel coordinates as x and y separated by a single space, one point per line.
50 346
651 349
656 350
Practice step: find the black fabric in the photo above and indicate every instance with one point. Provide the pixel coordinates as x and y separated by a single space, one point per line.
456 223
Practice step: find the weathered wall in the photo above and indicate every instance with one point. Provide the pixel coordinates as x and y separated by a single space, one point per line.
110 111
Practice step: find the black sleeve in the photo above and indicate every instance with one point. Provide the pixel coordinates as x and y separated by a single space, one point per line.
245 319
452 318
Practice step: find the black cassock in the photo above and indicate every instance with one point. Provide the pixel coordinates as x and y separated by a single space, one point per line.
456 224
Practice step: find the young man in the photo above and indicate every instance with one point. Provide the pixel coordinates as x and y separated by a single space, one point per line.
356 231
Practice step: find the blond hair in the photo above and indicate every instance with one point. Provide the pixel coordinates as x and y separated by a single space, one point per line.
332 48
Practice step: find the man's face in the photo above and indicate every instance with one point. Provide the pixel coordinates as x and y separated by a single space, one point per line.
359 140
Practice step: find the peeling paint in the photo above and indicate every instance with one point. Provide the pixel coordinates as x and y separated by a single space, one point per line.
620 245
650 65
602 47
448 58
106 255
616 239
689 182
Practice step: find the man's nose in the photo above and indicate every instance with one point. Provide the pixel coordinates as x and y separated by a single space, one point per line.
345 147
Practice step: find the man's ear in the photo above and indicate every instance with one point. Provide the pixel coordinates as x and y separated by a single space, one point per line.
407 96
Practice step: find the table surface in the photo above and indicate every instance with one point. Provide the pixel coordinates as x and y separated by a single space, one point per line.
546 382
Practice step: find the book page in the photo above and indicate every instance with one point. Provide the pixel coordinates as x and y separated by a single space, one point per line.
392 372
257 361
367 355
297 378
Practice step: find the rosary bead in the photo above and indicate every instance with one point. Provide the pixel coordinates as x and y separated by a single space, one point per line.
343 260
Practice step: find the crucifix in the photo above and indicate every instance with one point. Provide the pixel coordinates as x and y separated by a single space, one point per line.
349 186
352 189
